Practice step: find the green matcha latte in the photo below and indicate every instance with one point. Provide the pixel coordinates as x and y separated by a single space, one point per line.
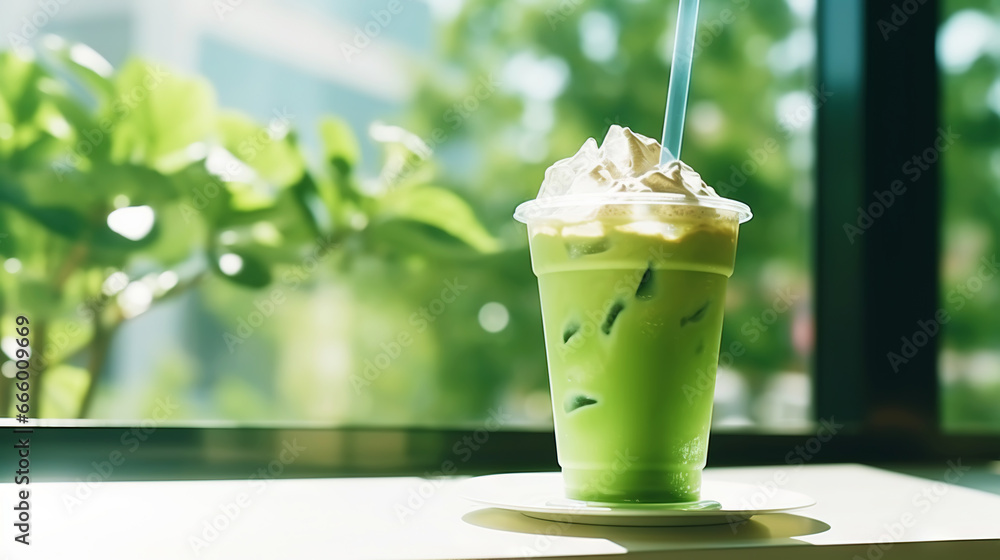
632 260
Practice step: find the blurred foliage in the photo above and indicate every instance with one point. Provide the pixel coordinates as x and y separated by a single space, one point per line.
970 356
121 189
369 333
363 264
514 86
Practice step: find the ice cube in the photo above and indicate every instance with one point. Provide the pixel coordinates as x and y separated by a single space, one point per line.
582 248
544 230
669 232
645 289
577 401
697 315
612 316
589 229
569 330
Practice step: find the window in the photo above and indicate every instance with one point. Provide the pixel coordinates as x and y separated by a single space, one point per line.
434 324
970 291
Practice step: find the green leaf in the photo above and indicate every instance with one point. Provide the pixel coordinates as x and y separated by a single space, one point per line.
156 114
417 238
19 85
8 242
438 208
36 154
285 215
45 187
340 146
182 233
83 62
63 391
250 197
267 150
58 219
140 184
342 152
253 273
38 298
205 197
310 201
75 114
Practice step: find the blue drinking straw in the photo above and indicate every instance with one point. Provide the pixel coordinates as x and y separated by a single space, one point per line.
680 81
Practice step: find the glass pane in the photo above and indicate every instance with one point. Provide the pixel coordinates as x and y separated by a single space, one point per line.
970 291
388 284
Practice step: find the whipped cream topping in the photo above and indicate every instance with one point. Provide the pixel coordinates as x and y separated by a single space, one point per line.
626 162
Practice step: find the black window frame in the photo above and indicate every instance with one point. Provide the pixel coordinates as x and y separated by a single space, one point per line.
883 108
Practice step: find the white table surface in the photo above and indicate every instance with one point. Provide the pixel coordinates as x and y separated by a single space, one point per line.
350 518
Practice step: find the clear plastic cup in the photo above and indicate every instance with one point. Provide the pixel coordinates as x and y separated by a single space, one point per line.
632 293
